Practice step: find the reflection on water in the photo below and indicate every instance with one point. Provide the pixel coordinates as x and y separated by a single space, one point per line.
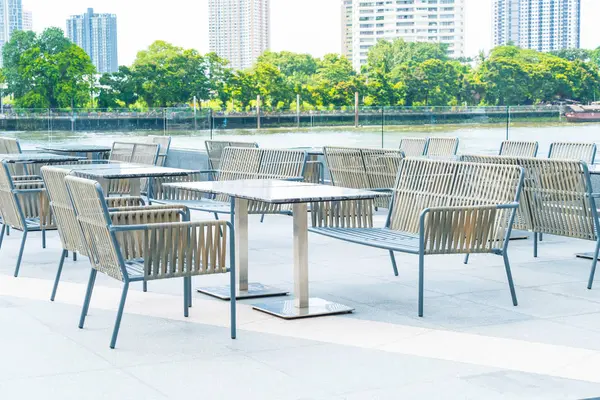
481 139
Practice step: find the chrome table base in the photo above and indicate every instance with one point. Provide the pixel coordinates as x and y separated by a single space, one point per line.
255 291
287 309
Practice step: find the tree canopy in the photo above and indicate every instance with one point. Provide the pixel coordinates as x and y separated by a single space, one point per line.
47 70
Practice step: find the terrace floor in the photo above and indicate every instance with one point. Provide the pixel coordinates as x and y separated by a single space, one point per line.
471 344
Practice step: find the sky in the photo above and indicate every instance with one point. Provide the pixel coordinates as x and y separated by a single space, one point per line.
305 26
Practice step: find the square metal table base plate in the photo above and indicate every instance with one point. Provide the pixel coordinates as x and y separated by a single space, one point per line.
287 309
255 291
588 256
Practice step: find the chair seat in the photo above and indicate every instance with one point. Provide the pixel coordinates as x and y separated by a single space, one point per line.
33 224
382 238
135 269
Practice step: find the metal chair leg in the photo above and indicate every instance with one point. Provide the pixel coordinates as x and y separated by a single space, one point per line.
113 340
145 286
511 285
74 256
43 238
394 266
262 218
467 258
58 273
23 240
4 227
88 297
8 231
421 284
186 298
541 236
594 262
190 292
535 244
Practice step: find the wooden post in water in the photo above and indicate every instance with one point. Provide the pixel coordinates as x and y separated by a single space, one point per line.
298 109
356 109
258 112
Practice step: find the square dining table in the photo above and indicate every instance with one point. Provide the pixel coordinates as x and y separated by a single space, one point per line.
91 151
299 194
105 172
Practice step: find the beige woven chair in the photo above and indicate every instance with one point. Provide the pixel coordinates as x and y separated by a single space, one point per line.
134 252
573 151
25 207
215 148
361 168
136 153
165 146
439 207
9 146
413 147
557 199
513 148
442 147
66 221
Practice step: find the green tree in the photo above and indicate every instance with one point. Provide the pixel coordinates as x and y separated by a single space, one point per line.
47 70
118 89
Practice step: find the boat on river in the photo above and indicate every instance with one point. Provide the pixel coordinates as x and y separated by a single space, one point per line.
577 113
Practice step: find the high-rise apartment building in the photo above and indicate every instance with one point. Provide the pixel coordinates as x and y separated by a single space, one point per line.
239 30
97 35
437 21
347 28
542 25
27 20
11 19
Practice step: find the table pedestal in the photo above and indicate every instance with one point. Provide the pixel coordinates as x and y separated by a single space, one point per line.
244 290
302 306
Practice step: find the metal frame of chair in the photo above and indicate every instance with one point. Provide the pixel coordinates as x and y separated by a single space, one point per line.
132 251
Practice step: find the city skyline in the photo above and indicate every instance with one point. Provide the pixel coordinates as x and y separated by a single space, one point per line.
239 30
364 23
96 33
538 24
11 19
314 28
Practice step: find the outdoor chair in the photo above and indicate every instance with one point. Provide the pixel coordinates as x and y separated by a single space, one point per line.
215 148
573 151
136 250
413 147
513 148
165 146
438 207
361 168
557 199
236 163
136 153
66 221
24 206
441 147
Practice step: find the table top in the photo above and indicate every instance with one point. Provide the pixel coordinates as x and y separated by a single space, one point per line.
277 191
76 148
97 166
128 171
37 158
594 169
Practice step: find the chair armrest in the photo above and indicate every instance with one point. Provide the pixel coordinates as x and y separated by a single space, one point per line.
125 201
178 249
342 214
470 229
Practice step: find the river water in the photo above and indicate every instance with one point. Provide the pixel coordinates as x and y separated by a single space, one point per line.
474 139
